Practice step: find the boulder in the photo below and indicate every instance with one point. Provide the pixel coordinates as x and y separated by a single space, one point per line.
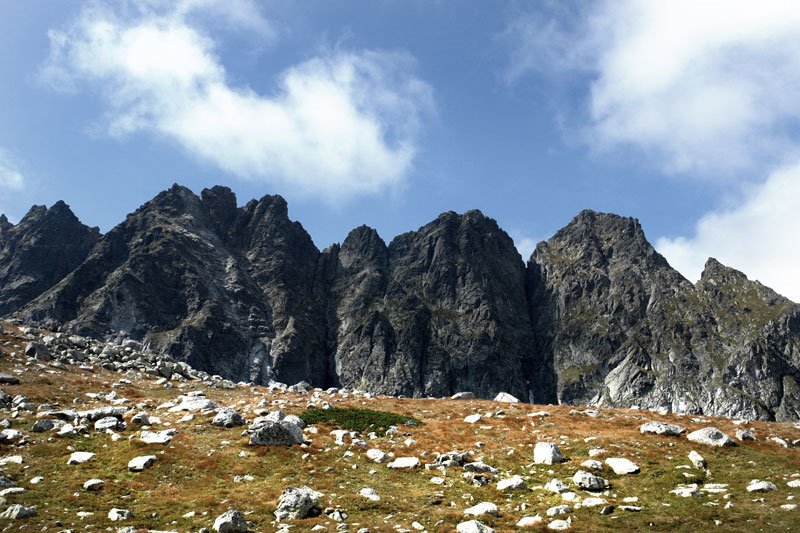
142 462
404 463
512 483
473 526
505 398
661 428
297 503
483 508
79 457
281 433
589 482
118 515
547 453
93 485
228 418
697 460
231 521
622 466
18 512
711 437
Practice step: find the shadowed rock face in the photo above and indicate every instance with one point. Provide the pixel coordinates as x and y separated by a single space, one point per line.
226 289
597 317
37 253
439 310
616 325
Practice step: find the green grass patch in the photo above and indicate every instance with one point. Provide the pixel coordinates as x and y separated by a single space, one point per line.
361 420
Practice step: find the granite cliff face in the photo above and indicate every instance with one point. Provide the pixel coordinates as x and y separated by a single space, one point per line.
45 246
439 310
596 317
616 325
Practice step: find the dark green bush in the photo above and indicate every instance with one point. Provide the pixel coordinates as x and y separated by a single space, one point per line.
362 420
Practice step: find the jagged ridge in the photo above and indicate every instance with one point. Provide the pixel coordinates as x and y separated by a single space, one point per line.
596 316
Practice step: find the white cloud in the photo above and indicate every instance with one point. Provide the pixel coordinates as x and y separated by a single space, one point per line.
11 178
757 237
341 124
706 87
525 244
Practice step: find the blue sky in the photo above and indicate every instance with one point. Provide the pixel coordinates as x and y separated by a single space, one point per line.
386 113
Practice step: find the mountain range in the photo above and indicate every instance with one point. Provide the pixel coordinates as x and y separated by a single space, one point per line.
596 315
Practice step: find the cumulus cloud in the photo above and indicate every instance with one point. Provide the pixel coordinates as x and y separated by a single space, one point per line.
703 89
757 237
11 178
524 243
700 87
341 124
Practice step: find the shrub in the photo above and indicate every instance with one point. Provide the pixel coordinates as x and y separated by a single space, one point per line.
362 420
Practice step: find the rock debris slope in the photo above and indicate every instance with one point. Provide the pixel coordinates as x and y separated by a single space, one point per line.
596 317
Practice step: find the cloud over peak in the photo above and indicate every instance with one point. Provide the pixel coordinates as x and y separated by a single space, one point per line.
342 124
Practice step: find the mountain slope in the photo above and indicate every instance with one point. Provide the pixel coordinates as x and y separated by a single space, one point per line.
619 326
35 254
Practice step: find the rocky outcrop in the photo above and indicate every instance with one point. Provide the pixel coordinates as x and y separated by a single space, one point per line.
439 310
37 253
616 325
225 289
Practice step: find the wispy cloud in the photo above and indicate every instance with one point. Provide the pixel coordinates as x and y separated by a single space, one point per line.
11 178
342 124
702 89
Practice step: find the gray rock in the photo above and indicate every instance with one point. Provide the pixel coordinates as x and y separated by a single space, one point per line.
280 433
93 485
228 418
473 526
661 428
547 453
119 515
18 512
42 425
590 482
8 379
231 521
142 462
697 460
109 422
79 458
710 437
622 466
463 396
157 437
297 503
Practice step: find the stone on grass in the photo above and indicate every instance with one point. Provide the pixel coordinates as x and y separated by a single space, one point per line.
297 503
661 428
194 404
622 466
482 509
463 396
404 463
530 521
795 484
710 437
744 434
686 491
228 418
559 525
280 433
589 482
158 437
593 502
512 483
18 512
760 486
558 510
557 486
473 526
505 398
592 464
697 460
93 484
472 419
109 422
118 515
377 455
547 453
231 521
138 464
369 494
79 457
43 424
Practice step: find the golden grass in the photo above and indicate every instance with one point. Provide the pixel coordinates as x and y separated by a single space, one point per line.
196 471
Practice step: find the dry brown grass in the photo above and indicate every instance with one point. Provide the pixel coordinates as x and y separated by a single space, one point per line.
196 471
